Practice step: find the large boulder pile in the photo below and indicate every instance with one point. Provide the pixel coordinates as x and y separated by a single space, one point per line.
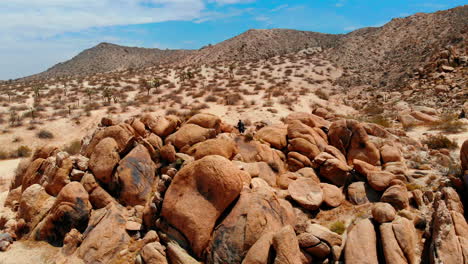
309 190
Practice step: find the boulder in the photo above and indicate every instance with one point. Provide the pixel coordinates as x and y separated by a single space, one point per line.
361 193
257 215
206 120
308 119
464 155
274 135
390 154
361 244
71 210
254 151
122 134
57 175
306 192
34 205
260 252
397 196
44 152
405 234
383 212
320 242
391 248
135 176
225 147
168 153
350 137
190 134
102 244
332 168
377 179
33 174
198 195
154 253
161 126
452 199
104 159
445 245
286 246
332 195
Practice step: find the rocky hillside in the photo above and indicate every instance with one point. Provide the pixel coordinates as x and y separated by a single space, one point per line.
107 57
382 57
259 44
387 56
157 189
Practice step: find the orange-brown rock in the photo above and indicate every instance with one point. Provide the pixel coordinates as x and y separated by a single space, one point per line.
161 126
254 151
190 134
397 196
71 209
206 120
122 134
257 213
198 195
57 175
34 205
464 156
332 195
108 223
332 168
390 154
383 212
44 152
307 193
222 146
274 135
168 153
136 175
377 179
308 119
154 253
350 137
33 174
361 244
286 246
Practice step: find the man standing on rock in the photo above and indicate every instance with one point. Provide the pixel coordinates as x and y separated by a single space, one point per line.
241 126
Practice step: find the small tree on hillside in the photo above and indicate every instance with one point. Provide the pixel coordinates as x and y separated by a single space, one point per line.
107 93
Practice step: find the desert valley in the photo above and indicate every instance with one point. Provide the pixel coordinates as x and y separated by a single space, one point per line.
355 150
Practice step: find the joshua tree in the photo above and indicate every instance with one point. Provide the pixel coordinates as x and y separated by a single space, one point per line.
107 93
89 92
69 109
13 117
156 82
9 94
37 91
231 70
32 113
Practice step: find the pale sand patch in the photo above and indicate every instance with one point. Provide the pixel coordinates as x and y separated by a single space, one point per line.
7 172
28 252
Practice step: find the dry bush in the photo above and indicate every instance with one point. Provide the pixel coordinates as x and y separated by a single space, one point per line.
45 134
449 123
322 95
380 120
439 141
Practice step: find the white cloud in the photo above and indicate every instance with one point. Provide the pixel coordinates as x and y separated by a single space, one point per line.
44 18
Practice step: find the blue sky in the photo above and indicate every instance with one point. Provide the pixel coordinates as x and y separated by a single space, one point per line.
36 34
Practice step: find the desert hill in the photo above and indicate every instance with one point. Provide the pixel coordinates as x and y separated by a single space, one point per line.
107 57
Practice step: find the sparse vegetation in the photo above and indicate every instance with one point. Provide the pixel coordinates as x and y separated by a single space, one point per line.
45 134
338 227
439 141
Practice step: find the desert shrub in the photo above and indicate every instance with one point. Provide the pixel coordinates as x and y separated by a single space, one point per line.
338 227
321 94
73 147
380 120
413 186
449 123
23 152
373 109
439 141
211 98
45 134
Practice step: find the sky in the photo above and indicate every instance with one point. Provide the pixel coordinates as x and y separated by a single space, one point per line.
36 34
